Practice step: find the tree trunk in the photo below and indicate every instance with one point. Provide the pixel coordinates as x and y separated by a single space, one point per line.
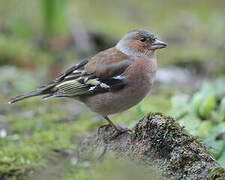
158 141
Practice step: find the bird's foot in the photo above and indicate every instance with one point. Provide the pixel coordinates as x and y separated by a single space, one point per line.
120 131
116 130
104 126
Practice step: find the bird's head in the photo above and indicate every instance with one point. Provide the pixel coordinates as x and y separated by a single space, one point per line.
140 43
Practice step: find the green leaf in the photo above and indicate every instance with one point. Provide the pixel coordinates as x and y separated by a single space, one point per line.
205 128
222 159
196 102
222 108
191 124
180 106
209 104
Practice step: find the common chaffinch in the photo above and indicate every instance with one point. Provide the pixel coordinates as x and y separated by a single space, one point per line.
113 80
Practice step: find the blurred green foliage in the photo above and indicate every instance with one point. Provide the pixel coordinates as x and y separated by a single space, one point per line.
19 52
54 19
193 30
122 169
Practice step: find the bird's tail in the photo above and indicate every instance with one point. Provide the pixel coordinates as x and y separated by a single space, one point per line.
26 95
41 91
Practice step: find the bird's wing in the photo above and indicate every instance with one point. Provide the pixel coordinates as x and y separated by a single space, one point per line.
101 73
50 89
108 63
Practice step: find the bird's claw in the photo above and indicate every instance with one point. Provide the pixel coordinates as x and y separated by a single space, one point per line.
104 126
118 131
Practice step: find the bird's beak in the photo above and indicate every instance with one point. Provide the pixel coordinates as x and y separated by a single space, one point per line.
157 44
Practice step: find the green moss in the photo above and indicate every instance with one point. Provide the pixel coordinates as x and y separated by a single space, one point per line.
10 169
35 129
217 174
165 138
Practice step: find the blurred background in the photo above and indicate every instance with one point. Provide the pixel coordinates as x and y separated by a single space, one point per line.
40 39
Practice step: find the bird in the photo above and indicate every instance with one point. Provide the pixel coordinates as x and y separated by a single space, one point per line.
111 81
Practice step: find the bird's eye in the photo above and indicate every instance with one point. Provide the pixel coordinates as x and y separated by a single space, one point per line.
143 39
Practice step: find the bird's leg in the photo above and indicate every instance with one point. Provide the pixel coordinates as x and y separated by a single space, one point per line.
118 131
111 124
